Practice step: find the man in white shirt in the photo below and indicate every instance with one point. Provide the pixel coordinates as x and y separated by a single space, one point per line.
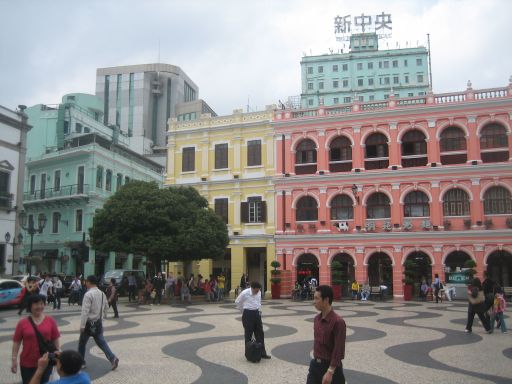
94 309
249 302
46 287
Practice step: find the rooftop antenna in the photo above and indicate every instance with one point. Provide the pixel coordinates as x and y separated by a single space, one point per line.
429 61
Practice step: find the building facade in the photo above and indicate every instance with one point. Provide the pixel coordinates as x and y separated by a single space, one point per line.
363 74
373 184
74 163
140 99
230 160
13 146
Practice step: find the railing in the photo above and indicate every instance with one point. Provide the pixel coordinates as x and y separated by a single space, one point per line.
65 191
467 96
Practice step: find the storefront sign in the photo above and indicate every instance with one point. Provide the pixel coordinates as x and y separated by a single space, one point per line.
457 278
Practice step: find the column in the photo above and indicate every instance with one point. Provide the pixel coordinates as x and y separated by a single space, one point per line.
433 145
395 207
236 199
128 263
322 211
171 153
438 266
509 137
236 154
398 272
204 146
280 155
436 205
280 213
394 147
323 164
270 200
238 266
473 141
359 209
324 270
479 251
357 150
289 155
361 269
271 256
476 206
270 165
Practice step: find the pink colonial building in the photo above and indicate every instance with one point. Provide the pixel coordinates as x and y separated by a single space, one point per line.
373 184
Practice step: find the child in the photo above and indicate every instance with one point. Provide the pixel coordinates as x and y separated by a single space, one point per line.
498 309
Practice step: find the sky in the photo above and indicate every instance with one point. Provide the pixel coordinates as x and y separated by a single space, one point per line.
241 53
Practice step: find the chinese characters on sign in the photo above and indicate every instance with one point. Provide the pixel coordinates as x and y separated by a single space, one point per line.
346 25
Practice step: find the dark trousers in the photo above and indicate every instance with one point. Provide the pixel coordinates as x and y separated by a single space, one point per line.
27 373
100 342
158 296
56 299
251 320
317 371
114 307
483 318
436 294
131 293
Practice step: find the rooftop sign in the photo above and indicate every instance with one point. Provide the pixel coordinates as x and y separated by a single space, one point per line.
346 25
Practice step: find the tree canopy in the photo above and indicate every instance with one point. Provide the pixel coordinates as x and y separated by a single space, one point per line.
173 224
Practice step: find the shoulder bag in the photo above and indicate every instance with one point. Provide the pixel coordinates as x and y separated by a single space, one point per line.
44 345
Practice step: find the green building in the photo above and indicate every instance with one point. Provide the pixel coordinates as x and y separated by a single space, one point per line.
74 163
363 74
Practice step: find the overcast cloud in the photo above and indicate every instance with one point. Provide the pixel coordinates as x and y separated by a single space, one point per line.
235 51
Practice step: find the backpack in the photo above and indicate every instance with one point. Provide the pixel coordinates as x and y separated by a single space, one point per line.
253 351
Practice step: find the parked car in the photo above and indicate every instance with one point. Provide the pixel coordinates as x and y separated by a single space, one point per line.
121 276
23 278
10 292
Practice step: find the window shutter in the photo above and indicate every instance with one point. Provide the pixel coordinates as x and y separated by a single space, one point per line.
244 211
263 211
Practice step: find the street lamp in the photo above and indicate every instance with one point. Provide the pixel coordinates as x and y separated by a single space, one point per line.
7 239
31 230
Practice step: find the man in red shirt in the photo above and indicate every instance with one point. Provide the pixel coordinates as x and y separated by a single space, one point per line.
329 346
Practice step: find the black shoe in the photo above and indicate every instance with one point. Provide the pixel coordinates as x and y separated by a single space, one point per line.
266 356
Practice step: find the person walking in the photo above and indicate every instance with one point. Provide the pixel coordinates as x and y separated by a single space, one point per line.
112 296
499 306
437 287
477 306
46 288
221 281
31 288
169 288
132 287
26 335
330 333
57 290
249 302
158 286
94 308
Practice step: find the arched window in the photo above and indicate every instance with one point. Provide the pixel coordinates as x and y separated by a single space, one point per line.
497 200
414 149
453 139
494 143
341 208
306 152
307 209
456 203
416 204
340 155
305 157
376 151
378 206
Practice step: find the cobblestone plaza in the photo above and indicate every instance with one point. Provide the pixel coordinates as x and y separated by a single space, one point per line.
387 342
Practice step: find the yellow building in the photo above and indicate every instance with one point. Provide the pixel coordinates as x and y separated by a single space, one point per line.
230 160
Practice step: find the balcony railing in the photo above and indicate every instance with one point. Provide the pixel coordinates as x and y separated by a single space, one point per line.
62 192
467 96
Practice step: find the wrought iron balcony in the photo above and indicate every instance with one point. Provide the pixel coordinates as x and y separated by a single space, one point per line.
62 192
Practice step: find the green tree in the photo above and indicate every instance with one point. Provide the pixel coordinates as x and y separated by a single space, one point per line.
172 224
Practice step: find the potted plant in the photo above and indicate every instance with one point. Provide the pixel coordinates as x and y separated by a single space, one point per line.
336 279
409 278
275 279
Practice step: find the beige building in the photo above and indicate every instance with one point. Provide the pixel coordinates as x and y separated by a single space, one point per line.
231 162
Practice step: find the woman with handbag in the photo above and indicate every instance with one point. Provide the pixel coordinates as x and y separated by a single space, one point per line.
476 305
38 333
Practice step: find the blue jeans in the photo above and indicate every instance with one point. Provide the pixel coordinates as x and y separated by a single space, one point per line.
499 316
100 342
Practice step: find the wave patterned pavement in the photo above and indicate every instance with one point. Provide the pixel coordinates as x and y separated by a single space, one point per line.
387 342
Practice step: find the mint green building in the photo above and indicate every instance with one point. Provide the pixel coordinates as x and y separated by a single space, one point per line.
74 163
363 74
